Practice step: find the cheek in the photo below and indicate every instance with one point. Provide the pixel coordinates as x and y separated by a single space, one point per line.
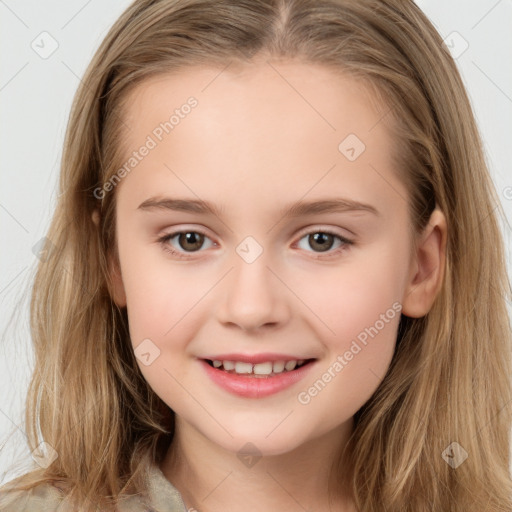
365 324
163 301
359 306
160 293
352 296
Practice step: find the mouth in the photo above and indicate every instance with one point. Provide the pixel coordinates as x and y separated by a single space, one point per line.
265 369
257 379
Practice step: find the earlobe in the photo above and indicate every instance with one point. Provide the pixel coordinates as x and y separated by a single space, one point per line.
116 286
96 217
427 268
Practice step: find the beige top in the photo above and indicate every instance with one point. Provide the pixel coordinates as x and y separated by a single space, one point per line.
163 497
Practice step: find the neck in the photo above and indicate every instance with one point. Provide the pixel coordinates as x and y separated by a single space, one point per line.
209 477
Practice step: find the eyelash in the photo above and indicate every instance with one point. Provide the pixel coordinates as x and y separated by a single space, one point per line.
345 241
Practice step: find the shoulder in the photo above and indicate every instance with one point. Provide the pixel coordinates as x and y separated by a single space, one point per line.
163 497
43 498
47 498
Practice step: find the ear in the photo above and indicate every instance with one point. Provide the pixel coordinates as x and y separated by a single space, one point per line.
427 268
115 284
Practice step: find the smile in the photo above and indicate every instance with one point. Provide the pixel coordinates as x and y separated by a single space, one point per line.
256 380
267 368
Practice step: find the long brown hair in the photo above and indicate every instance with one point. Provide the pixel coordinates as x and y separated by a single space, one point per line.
449 380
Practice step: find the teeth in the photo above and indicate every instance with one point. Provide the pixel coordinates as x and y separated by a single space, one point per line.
290 365
243 367
278 366
265 368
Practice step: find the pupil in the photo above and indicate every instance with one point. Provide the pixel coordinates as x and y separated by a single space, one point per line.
196 239
322 239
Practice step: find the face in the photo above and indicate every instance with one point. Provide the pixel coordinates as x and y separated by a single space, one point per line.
252 282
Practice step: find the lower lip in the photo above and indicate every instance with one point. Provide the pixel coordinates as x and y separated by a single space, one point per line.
250 386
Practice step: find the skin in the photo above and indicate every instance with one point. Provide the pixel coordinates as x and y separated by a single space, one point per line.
253 144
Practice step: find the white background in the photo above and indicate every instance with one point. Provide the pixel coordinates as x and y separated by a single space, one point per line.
35 98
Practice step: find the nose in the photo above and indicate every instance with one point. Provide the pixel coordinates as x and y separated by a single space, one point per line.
253 297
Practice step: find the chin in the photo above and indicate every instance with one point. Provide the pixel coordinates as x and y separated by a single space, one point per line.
260 442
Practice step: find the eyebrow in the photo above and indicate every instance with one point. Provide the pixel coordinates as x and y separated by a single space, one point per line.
297 209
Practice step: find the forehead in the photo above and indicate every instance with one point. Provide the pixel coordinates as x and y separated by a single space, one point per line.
285 89
271 123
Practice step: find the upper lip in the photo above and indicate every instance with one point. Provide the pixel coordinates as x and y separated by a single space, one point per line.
256 358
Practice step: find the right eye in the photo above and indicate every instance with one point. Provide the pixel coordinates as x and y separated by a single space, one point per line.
188 240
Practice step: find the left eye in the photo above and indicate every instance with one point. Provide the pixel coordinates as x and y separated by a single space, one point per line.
193 241
324 240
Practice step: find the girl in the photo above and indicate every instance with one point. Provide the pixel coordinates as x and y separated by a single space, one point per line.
286 282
